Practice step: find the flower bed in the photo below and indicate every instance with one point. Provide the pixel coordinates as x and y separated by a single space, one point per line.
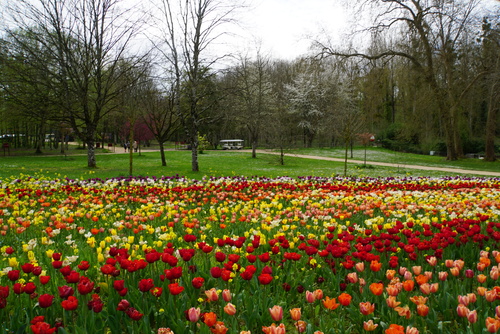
235 255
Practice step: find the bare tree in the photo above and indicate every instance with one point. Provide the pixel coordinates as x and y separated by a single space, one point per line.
159 115
434 30
348 116
187 31
253 88
88 39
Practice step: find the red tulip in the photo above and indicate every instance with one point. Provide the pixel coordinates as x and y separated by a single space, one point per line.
156 291
45 300
70 304
134 314
65 291
44 279
197 282
265 279
42 328
85 286
29 288
175 288
13 275
123 305
146 284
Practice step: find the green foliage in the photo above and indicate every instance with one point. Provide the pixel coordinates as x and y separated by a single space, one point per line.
203 143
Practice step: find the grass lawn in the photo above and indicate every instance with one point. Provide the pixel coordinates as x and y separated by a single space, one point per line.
226 163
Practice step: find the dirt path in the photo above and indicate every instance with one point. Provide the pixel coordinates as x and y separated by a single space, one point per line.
386 164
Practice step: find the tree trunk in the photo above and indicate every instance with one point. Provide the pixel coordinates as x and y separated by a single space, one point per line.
162 153
345 159
282 156
254 149
91 161
131 150
194 155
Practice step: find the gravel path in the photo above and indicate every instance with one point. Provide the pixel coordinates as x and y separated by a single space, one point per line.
386 164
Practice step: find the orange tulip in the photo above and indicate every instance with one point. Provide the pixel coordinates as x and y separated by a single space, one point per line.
295 313
377 288
330 304
432 261
301 326
422 310
164 330
442 275
273 329
411 330
219 328
417 270
230 309
318 294
403 311
481 278
492 325
392 302
491 295
425 288
459 264
494 273
421 279
472 316
463 300
462 310
212 294
419 300
366 308
360 266
375 265
395 329
408 285
369 325
210 318
352 277
276 312
390 273
345 299
455 271
392 290
481 290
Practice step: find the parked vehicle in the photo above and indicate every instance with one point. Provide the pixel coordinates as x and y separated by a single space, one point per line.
232 144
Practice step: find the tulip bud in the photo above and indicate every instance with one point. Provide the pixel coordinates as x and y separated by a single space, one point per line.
472 316
462 310
469 273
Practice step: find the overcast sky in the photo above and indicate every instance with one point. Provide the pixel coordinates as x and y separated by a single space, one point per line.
283 26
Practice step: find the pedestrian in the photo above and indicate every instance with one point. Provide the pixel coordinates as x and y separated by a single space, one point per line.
135 145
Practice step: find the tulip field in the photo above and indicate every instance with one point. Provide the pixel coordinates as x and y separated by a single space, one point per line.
250 255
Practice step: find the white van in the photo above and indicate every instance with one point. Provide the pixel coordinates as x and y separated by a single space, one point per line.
232 144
